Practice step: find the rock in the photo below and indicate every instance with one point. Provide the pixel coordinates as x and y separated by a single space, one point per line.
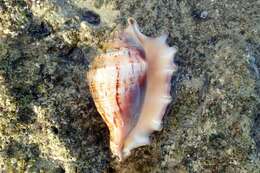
49 123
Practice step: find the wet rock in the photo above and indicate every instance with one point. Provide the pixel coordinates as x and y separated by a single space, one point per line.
213 40
77 55
39 30
16 149
74 55
55 130
46 111
217 141
26 115
59 170
256 132
2 6
91 17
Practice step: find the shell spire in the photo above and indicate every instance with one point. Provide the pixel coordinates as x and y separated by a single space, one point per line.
130 86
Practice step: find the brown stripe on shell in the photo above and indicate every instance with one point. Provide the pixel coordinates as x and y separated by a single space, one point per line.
117 97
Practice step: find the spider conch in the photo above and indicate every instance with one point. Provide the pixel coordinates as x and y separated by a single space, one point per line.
130 85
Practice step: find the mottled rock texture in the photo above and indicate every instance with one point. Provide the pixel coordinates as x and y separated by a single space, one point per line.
48 122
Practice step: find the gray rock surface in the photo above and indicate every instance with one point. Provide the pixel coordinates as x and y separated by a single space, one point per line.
48 121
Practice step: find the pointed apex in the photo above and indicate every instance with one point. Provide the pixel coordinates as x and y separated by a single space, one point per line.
134 30
162 38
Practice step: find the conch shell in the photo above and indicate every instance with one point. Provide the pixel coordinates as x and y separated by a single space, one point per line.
130 85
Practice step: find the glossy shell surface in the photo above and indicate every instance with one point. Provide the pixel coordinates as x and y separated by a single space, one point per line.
130 85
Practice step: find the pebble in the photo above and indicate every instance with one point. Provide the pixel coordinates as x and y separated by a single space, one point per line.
199 14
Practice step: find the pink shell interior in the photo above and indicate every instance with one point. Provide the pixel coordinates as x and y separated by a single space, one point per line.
159 57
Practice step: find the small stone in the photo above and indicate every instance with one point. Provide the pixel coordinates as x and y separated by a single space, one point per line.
199 14
204 14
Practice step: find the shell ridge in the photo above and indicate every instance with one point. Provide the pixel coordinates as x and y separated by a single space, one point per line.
159 58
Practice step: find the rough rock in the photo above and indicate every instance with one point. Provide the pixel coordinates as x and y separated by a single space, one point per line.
48 121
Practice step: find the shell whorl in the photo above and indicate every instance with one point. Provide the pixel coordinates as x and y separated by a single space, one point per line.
116 83
131 87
